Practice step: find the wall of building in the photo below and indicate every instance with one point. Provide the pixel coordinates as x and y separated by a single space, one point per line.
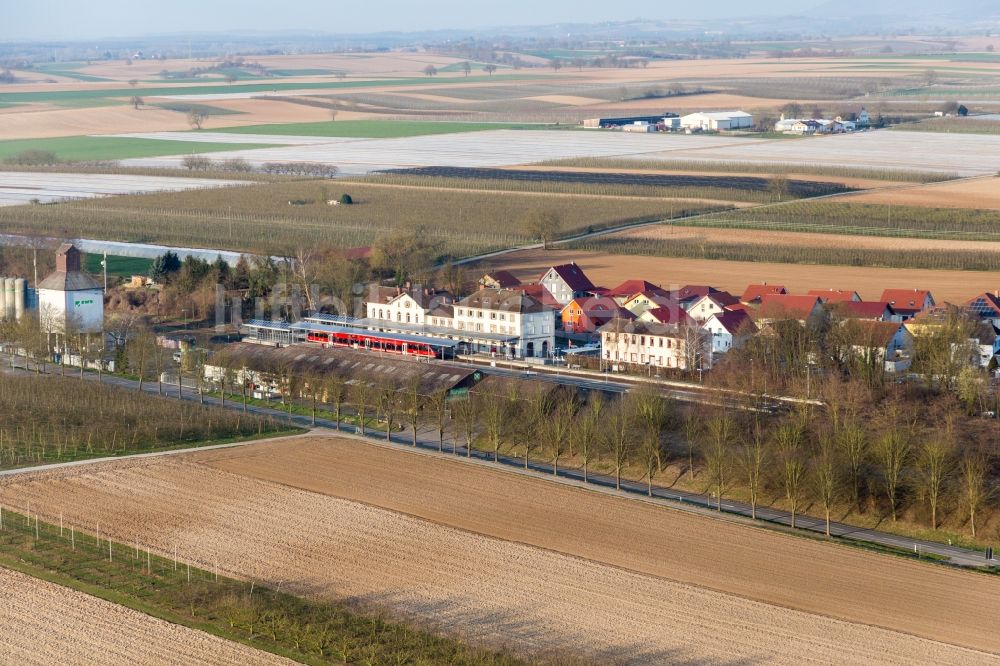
82 310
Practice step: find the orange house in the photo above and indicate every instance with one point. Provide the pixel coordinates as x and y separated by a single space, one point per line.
589 313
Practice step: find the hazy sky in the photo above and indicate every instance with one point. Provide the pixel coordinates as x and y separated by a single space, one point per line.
83 19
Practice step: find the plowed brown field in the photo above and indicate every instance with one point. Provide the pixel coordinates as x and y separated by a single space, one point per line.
611 269
976 193
44 623
503 559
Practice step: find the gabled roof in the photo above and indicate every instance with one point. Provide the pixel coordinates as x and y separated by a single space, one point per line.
423 297
691 292
863 309
573 276
540 294
723 299
986 333
72 281
835 295
985 306
753 292
600 307
906 299
734 322
778 306
503 279
670 314
867 333
629 288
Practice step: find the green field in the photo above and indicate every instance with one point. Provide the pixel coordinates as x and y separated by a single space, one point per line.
271 87
374 129
117 266
91 148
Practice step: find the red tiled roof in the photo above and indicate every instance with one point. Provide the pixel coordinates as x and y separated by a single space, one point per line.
906 299
866 333
773 306
573 276
723 299
863 309
736 321
692 291
671 315
835 295
755 291
632 287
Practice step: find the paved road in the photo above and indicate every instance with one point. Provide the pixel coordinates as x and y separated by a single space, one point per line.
427 441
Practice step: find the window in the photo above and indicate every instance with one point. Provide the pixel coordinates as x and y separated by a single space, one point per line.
407 317
661 343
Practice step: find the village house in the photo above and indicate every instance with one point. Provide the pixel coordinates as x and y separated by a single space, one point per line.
907 303
589 313
777 307
626 290
985 306
566 282
872 310
729 330
645 300
669 313
878 343
987 339
654 345
711 304
404 306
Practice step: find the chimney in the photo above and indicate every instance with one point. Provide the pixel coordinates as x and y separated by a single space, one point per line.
67 259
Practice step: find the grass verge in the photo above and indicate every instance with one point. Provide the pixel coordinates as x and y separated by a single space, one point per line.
91 148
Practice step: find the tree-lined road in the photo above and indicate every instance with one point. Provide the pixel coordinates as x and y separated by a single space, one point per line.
427 442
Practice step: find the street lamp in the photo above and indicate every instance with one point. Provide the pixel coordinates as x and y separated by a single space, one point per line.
184 313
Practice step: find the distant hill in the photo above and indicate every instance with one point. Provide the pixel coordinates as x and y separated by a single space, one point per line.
904 10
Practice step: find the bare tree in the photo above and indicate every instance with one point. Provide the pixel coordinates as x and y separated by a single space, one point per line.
361 395
438 404
691 427
826 478
333 115
753 457
490 69
778 185
934 466
413 403
544 226
196 118
335 387
973 469
468 411
788 440
717 450
618 436
852 441
587 430
386 403
560 424
430 70
466 67
135 101
496 413
892 451
133 83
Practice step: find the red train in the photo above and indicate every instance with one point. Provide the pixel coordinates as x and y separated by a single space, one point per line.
373 341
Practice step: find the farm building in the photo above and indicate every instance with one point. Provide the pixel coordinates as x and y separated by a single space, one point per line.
69 300
607 123
717 121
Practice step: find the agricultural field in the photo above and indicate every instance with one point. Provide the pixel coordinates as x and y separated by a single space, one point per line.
444 555
104 420
260 218
981 193
101 148
22 187
734 276
375 129
45 623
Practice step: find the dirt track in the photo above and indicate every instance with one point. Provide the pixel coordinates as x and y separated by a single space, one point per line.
45 623
611 269
640 593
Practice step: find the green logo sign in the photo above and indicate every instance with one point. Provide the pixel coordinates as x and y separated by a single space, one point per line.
87 302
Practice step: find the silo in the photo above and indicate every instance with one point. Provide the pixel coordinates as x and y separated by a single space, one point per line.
9 298
20 288
3 300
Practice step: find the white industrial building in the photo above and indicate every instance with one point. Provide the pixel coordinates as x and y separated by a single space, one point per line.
717 121
69 300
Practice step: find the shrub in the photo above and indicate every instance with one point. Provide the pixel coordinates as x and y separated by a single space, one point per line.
196 163
32 158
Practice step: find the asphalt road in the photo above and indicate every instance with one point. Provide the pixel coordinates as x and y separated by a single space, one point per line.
427 441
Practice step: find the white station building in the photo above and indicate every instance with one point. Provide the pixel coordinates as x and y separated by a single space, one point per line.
69 300
717 121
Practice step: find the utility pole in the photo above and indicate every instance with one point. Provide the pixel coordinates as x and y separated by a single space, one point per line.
104 265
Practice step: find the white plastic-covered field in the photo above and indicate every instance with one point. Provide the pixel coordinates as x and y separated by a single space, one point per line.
968 155
19 187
